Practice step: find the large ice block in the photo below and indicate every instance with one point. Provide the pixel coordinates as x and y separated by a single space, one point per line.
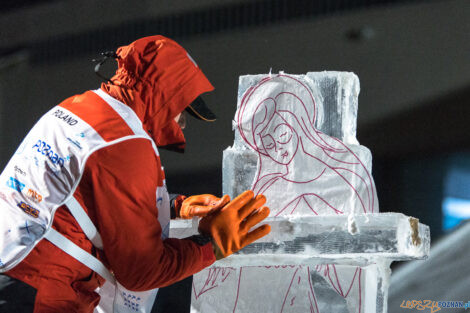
329 249
335 96
333 239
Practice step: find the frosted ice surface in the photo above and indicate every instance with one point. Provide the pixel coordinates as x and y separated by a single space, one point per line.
336 95
239 169
329 250
295 142
339 93
308 288
240 165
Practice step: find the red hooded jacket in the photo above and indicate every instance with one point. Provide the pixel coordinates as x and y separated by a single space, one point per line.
157 79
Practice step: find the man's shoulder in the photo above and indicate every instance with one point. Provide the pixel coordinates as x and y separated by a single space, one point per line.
130 149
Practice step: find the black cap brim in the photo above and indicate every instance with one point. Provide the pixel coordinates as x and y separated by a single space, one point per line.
199 110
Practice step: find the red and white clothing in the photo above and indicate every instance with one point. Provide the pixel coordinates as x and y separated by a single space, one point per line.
119 183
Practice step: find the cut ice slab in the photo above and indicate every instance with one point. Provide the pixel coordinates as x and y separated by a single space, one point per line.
335 95
332 239
239 168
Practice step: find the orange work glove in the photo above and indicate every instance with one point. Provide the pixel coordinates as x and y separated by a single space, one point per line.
201 205
229 226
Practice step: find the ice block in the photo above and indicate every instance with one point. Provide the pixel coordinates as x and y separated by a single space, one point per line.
335 239
303 288
335 95
329 249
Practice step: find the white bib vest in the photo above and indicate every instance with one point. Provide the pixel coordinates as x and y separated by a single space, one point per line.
44 173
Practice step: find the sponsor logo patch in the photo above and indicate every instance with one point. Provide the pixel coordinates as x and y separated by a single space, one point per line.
46 150
28 209
15 184
33 195
19 171
65 117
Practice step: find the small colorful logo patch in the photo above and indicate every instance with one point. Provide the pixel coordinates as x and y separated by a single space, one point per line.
28 209
33 195
15 184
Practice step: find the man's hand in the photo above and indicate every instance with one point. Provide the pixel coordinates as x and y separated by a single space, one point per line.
201 205
229 226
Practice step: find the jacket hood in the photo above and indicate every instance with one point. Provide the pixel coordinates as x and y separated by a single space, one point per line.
158 79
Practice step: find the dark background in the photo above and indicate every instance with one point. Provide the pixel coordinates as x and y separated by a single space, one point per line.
412 58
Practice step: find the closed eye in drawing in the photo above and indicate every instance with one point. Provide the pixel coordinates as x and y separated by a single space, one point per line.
286 133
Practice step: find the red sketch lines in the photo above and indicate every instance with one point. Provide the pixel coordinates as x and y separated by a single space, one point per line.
288 289
276 119
357 269
238 290
301 171
299 290
311 295
215 276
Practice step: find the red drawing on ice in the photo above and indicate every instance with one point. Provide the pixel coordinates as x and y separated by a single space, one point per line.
276 119
278 123
215 276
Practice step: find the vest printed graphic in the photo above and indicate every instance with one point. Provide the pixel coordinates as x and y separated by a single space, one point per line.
46 169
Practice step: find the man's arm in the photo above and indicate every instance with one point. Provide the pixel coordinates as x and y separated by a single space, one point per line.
119 190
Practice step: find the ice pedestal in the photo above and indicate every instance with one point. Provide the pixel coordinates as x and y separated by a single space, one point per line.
330 263
308 289
329 249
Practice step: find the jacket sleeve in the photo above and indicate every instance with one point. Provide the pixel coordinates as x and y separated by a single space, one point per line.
118 189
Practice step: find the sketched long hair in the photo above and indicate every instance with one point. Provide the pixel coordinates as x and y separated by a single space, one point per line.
298 109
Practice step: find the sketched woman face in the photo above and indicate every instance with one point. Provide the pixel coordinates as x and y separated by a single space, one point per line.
279 140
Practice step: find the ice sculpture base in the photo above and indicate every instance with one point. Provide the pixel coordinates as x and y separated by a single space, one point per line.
310 288
332 263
